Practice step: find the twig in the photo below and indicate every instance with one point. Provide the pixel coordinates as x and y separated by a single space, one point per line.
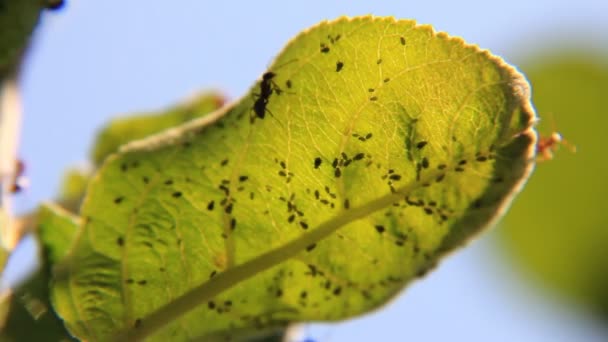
10 129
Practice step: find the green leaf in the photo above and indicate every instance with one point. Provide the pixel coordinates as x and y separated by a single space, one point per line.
4 298
557 229
73 188
18 18
56 230
29 316
123 130
27 313
383 145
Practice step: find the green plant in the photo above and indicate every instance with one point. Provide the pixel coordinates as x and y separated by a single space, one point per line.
372 148
562 209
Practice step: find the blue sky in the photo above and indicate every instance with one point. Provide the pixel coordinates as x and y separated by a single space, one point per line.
98 59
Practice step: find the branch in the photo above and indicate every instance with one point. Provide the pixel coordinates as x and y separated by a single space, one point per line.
10 129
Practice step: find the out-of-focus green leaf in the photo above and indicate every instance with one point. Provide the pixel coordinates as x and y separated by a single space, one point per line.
373 147
27 312
558 229
29 315
123 130
73 188
4 297
18 18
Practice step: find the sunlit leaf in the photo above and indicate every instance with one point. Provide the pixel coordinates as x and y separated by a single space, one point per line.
373 148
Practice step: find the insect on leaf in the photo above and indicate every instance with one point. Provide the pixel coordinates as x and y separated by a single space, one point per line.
371 148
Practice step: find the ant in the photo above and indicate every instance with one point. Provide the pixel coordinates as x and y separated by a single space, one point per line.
546 146
267 88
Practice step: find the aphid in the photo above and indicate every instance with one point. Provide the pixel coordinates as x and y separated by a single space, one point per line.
425 163
546 146
318 162
339 66
421 144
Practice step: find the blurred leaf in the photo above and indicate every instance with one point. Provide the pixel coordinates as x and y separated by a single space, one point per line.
374 147
73 188
4 297
558 230
123 130
3 258
18 18
28 315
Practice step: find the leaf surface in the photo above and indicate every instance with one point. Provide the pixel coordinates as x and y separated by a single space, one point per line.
373 148
123 130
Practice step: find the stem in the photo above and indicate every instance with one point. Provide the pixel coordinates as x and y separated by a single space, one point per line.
224 281
10 128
